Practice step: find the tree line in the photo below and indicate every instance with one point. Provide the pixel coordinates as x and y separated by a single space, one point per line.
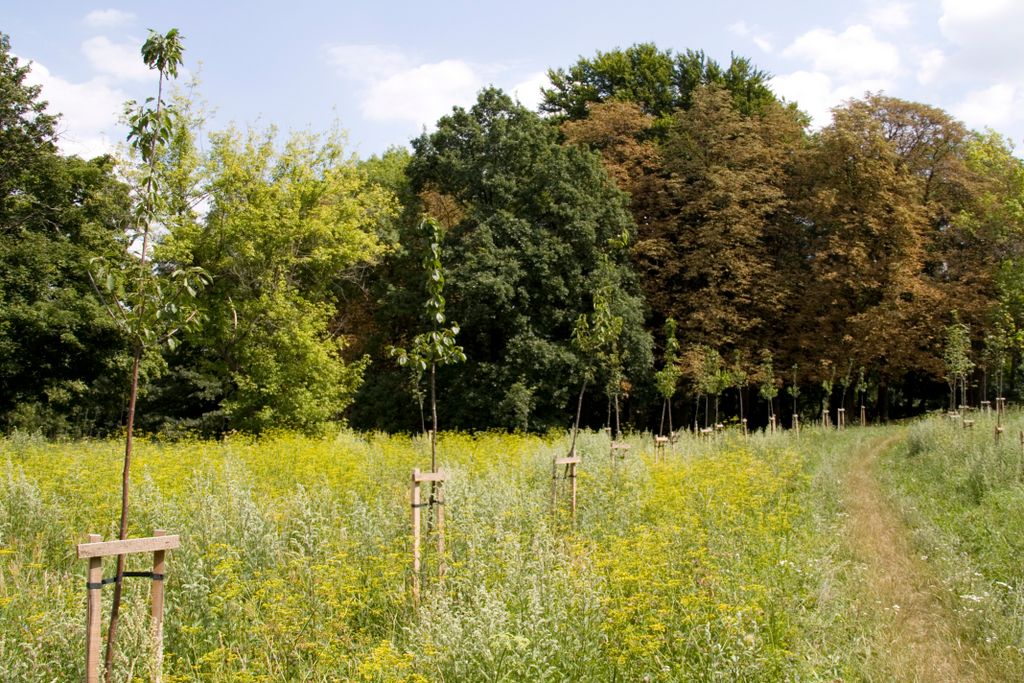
665 237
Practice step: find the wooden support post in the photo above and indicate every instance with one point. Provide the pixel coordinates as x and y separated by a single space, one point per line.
659 447
986 407
92 615
968 424
156 623
436 501
771 423
744 423
998 433
796 423
415 538
863 416
442 566
841 418
569 473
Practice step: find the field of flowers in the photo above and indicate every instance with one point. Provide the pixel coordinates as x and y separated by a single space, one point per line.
295 564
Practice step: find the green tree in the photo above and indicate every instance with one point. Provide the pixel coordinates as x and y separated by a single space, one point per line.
59 351
956 355
528 221
765 377
151 306
436 347
659 81
286 231
667 379
594 339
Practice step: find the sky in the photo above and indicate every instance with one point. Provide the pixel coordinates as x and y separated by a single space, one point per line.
386 71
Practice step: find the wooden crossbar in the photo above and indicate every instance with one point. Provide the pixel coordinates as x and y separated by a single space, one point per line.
419 477
574 460
128 546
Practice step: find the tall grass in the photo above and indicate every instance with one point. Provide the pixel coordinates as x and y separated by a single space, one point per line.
295 561
963 491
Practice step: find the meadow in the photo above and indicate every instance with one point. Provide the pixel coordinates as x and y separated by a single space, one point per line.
726 561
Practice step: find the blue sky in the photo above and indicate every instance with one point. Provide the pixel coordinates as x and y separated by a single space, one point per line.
386 70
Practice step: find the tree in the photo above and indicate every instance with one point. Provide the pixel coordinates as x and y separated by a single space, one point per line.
866 232
436 347
529 223
739 376
659 81
594 339
956 356
765 377
713 267
288 229
150 306
709 375
794 390
667 379
59 351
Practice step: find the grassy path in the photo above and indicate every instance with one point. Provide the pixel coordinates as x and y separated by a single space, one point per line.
918 629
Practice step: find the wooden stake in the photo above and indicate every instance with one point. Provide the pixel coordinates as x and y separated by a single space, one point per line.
863 417
842 418
156 623
415 538
659 447
436 480
442 566
92 615
569 464
796 423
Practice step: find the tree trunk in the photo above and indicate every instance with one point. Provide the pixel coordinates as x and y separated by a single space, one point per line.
670 430
740 394
433 417
661 426
115 609
618 431
576 424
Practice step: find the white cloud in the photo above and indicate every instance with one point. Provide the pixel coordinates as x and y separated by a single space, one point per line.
423 93
854 53
121 61
367 62
994 106
889 16
764 44
931 64
988 35
397 87
817 93
759 37
108 18
528 90
740 28
89 111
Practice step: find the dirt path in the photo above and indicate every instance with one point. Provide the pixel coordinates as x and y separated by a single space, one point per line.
922 646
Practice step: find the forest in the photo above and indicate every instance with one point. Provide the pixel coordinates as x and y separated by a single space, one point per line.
665 242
